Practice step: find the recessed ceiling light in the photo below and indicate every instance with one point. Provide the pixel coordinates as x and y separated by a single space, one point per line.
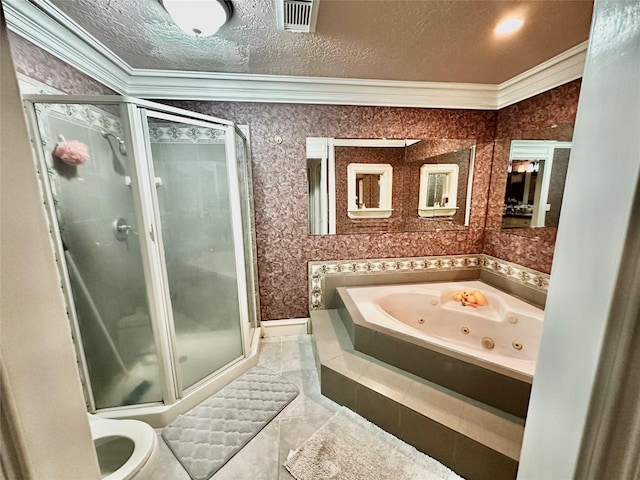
509 25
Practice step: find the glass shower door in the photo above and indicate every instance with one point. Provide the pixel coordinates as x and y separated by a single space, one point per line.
93 211
200 231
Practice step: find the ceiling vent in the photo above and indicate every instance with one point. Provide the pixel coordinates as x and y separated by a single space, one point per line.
297 15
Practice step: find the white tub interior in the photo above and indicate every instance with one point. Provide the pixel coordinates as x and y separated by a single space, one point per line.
428 312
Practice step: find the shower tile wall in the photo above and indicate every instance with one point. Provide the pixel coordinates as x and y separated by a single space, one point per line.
549 115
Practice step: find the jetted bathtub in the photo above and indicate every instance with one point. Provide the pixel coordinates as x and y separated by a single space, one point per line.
486 352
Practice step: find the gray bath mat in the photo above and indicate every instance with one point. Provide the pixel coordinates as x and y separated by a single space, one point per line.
350 447
205 438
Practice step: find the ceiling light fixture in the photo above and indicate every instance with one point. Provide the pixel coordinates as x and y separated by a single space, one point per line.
201 18
509 25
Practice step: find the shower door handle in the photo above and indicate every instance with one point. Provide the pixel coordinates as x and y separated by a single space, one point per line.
152 233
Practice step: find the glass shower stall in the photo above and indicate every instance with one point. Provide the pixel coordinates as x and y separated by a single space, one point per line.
151 215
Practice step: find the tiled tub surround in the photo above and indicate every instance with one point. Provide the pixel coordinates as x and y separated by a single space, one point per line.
476 441
439 351
522 282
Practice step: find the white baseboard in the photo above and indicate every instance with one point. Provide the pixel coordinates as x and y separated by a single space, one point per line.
281 328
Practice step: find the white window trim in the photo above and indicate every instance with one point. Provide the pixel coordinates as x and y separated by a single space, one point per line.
451 170
386 180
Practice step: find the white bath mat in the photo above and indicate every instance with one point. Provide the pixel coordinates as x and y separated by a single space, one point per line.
205 438
350 447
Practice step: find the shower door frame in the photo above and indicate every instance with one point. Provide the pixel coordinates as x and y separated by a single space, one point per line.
144 115
133 112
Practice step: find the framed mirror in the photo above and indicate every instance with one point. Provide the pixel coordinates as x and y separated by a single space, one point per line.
346 178
369 190
535 183
438 190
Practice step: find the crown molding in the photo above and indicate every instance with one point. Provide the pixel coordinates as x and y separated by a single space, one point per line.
317 90
562 68
43 24
46 26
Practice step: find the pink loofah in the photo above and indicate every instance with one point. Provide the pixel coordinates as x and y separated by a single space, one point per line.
72 152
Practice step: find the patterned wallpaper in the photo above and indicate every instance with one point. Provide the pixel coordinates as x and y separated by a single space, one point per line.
39 65
549 115
284 246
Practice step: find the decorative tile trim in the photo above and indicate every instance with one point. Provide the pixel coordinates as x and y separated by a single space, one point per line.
86 115
516 273
176 133
318 271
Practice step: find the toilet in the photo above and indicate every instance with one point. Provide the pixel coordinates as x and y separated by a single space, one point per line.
126 449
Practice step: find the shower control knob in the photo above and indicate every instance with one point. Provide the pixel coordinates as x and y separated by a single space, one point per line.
121 229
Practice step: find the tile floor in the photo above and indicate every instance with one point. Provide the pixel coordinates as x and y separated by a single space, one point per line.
262 458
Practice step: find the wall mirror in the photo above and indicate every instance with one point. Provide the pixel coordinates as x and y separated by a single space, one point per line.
379 185
535 183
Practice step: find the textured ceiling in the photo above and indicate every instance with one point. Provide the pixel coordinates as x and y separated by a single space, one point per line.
418 40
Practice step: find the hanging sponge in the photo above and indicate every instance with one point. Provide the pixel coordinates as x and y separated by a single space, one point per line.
71 152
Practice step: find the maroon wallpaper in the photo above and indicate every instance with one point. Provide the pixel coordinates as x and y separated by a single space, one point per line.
35 63
346 155
549 115
284 246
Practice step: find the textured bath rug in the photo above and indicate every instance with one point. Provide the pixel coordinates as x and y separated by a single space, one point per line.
350 447
206 437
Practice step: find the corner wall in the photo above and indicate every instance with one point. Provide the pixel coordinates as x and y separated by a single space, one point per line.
37 64
547 116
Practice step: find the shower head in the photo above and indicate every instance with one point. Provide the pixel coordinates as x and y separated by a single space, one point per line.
121 146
